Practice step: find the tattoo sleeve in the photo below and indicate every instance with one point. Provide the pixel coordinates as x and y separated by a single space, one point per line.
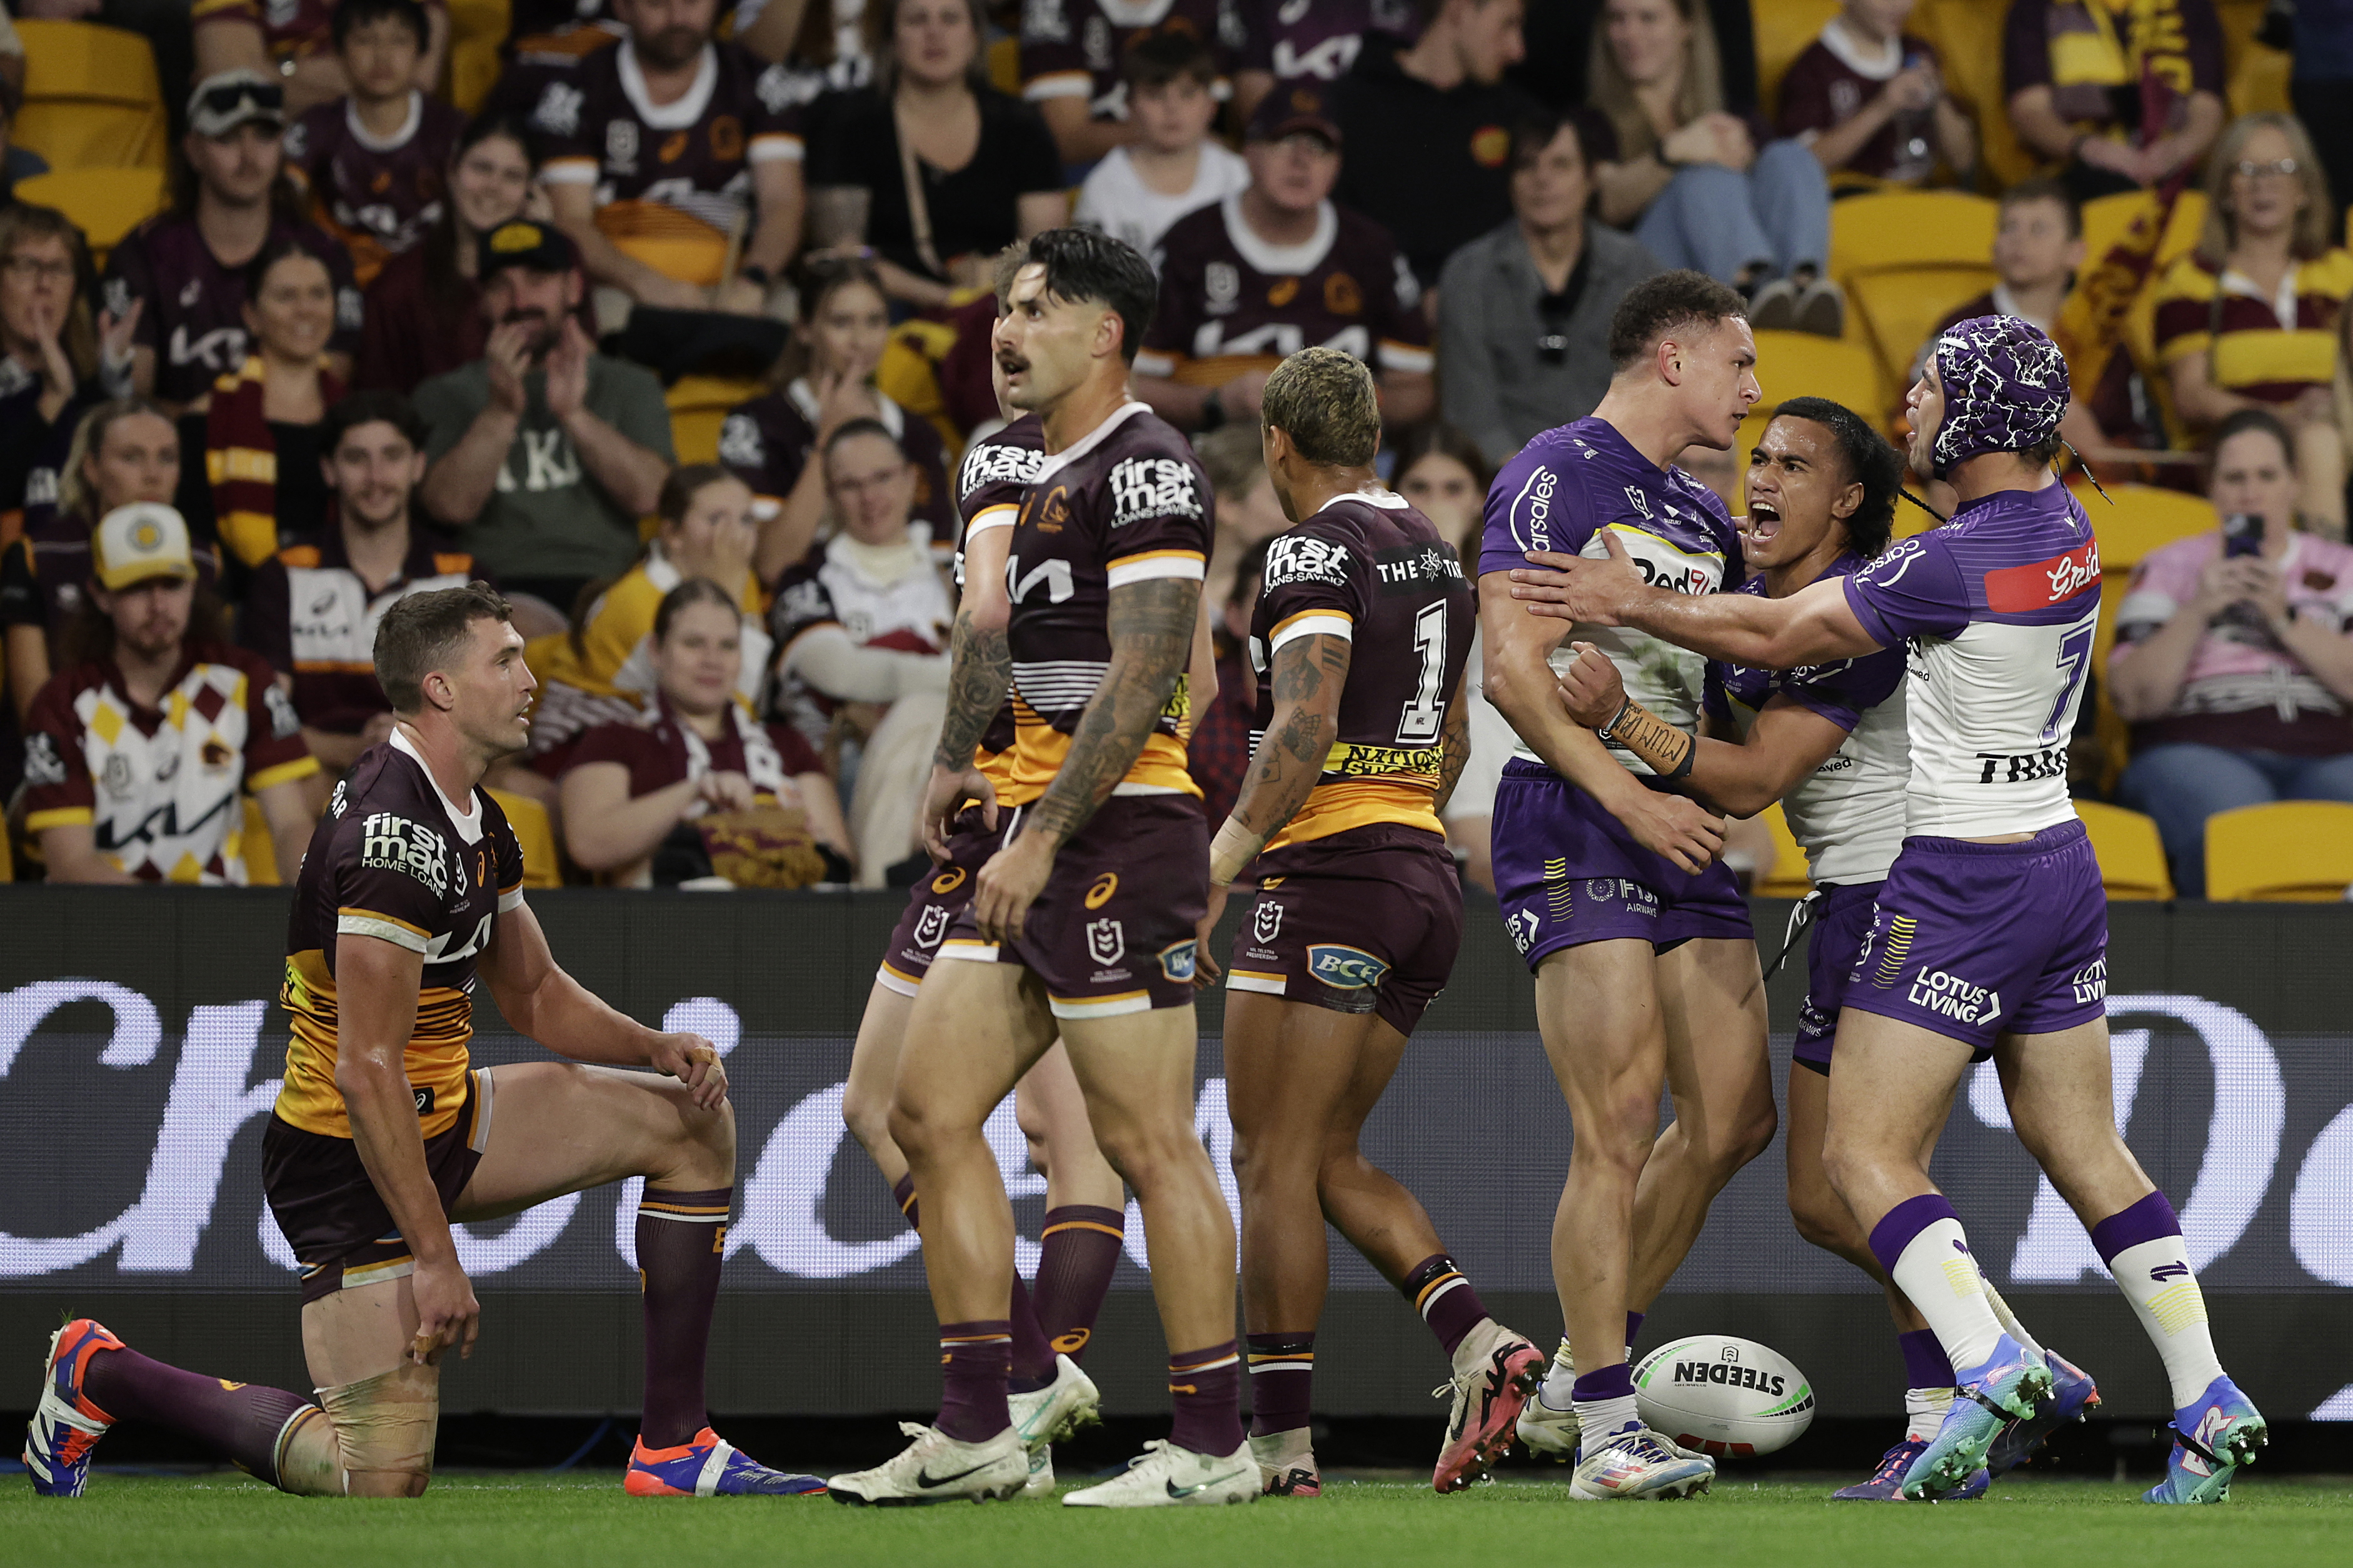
1455 743
1308 674
980 670
1667 749
1150 626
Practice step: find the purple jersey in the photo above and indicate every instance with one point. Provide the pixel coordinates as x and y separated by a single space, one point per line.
377 197
1563 490
1999 606
1318 39
194 318
1072 48
1848 816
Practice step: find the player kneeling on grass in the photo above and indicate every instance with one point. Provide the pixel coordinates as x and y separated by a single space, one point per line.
382 1135
1361 633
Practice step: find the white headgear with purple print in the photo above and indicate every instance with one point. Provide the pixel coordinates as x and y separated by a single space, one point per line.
2005 389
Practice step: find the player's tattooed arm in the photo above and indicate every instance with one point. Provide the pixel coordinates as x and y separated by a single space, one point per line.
1307 676
1151 627
980 670
1454 741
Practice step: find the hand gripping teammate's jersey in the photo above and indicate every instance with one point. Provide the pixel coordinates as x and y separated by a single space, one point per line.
1126 504
1999 606
1372 570
396 858
1849 815
990 482
1564 491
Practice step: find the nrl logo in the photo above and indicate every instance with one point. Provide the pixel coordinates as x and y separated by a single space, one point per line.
1266 921
1106 941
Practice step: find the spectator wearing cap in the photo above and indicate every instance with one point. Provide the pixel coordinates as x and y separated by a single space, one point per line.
1276 268
1523 312
295 41
137 753
182 279
1174 166
2117 98
543 451
312 609
1429 128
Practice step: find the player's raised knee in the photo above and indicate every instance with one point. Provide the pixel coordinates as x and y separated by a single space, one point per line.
383 1428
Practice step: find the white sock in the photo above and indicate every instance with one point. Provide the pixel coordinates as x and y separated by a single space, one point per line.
2156 1278
1599 1420
1925 1409
1940 1278
1560 1378
2009 1320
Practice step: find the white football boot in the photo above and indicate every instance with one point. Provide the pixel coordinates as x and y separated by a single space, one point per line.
1041 1472
935 1467
1638 1463
1549 1434
1052 1412
1166 1476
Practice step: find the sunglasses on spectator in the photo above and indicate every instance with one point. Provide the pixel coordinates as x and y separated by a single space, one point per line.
2249 170
222 100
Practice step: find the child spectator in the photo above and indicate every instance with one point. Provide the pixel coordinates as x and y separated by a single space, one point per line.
1071 55
425 309
2117 98
372 162
175 723
1870 99
295 39
1248 514
696 786
262 484
374 553
1173 167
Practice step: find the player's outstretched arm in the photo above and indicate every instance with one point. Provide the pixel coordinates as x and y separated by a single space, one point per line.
980 671
1784 746
543 1002
1813 626
377 984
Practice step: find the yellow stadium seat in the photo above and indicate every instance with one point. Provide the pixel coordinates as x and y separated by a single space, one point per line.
698 407
1784 29
1881 231
91 100
2296 851
260 849
2106 219
8 856
1968 39
104 203
535 830
2131 855
477 29
1899 310
2142 519
1004 66
1786 878
1798 364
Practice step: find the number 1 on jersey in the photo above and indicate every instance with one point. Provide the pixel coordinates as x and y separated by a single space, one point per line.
1427 712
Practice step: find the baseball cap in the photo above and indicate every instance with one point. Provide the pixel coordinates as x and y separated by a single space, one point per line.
227 99
523 242
143 540
1293 109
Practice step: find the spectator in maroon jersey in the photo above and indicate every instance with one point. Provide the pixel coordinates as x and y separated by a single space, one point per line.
1071 55
373 162
261 484
2078 74
48 348
1870 99
1218 754
1290 42
294 40
425 309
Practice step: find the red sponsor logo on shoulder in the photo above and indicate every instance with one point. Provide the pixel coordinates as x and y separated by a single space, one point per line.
2014 590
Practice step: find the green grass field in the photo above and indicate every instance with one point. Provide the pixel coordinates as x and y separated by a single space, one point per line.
580 1519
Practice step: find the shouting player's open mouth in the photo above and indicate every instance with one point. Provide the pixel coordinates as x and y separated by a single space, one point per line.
1764 521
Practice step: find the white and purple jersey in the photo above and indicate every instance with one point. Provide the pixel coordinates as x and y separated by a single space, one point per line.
1849 815
1999 607
1567 488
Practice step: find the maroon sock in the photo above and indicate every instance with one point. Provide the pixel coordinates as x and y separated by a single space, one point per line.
1441 1293
1282 1379
1206 1387
1081 1249
241 1421
681 1241
973 1359
1033 1358
903 1193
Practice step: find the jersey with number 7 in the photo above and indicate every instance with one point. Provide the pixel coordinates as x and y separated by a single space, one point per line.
1369 569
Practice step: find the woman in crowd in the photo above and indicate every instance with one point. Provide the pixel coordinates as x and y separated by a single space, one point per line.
124 450
1701 188
48 351
931 171
2254 318
424 310
769 442
262 485
679 792
2233 666
1523 312
602 672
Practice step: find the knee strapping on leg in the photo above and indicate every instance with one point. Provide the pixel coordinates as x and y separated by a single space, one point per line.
385 1426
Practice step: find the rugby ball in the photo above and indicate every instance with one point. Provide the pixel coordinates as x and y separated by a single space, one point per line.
1724 1397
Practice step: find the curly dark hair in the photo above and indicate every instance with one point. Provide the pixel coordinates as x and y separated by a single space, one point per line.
1870 462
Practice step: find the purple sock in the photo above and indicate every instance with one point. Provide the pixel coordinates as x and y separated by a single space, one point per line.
1080 1247
1442 1294
240 1421
973 1359
1282 1377
903 1193
1033 1358
1634 1327
2150 1219
1207 1387
1907 1219
1925 1365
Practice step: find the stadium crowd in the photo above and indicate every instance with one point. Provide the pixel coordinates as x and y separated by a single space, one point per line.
595 302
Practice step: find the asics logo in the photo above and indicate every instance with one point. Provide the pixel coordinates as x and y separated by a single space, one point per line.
1197 1487
2169 1271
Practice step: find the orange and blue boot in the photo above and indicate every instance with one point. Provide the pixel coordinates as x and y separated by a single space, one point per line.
66 1426
710 1465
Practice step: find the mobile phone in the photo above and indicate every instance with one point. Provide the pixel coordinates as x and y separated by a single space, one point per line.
2243 534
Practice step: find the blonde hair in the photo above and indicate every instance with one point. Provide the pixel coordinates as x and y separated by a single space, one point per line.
1611 91
76 496
2315 225
22 224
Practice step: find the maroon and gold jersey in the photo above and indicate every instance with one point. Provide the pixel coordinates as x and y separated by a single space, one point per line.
377 197
768 441
996 473
1371 569
671 179
1073 48
1127 503
395 858
1231 303
195 316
